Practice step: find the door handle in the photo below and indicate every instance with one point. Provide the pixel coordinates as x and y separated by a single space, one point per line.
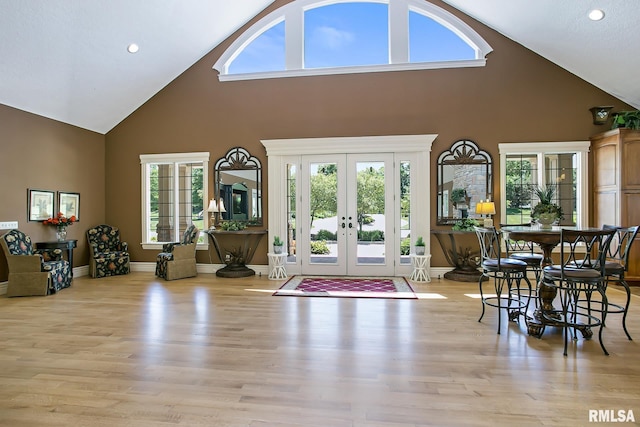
343 223
350 224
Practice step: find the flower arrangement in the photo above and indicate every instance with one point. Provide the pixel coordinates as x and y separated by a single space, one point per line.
60 221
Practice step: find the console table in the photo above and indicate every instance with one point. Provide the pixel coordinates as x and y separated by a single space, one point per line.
462 251
235 249
66 245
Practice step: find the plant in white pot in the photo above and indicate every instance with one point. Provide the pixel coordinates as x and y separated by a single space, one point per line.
277 245
546 212
419 246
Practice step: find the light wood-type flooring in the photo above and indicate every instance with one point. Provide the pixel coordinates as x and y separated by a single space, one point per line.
135 351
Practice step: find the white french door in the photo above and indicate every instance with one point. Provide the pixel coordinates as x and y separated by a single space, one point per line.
347 206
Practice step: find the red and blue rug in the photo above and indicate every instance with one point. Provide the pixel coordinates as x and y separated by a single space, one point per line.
347 287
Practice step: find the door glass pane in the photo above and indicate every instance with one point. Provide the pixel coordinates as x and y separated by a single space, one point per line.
291 213
405 212
371 212
323 225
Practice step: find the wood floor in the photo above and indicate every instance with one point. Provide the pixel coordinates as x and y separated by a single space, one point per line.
133 351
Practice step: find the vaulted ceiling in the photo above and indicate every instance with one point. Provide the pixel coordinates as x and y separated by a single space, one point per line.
68 60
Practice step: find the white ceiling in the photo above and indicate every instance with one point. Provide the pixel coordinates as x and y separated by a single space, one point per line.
67 59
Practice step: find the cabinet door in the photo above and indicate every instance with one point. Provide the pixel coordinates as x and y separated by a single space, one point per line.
631 216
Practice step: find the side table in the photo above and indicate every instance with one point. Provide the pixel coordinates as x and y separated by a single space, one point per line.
421 265
277 269
66 245
235 249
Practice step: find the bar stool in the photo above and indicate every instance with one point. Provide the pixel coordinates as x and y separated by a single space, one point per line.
579 277
504 271
616 266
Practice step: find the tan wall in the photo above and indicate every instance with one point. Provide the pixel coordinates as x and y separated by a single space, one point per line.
44 154
517 97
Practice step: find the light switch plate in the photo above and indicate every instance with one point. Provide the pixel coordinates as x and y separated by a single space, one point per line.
7 225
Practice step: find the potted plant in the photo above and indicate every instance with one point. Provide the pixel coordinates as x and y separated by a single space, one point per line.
277 245
546 212
626 119
419 246
458 195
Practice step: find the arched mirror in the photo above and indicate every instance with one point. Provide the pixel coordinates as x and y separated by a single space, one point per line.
464 179
238 187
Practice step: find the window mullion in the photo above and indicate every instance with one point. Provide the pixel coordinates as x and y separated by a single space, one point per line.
294 39
398 32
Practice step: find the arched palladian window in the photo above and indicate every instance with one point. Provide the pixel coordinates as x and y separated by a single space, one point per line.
316 37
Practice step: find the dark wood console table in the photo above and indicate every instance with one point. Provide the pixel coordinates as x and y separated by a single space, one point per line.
235 249
462 251
67 245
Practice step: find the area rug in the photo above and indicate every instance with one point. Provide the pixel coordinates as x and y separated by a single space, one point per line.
349 287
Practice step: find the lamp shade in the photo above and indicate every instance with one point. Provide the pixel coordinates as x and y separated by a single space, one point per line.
488 208
212 206
221 206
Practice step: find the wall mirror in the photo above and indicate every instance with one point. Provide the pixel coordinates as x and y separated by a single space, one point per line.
464 179
238 187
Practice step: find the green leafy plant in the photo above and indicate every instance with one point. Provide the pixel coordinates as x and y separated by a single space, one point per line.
458 195
324 235
465 224
277 241
319 248
233 225
546 206
626 119
419 241
405 246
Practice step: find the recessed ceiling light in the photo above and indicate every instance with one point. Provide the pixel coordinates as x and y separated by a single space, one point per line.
596 14
133 48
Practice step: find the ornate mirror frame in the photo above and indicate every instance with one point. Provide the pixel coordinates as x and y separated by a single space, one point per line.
465 178
238 183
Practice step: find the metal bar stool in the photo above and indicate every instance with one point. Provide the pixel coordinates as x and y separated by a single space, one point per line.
579 276
507 272
616 265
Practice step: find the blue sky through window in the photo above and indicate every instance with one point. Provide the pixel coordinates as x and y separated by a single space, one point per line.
265 53
430 41
346 34
351 34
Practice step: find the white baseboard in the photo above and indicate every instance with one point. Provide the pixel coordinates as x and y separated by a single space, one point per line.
150 267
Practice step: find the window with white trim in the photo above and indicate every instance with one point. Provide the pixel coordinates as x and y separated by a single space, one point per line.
174 194
527 166
315 37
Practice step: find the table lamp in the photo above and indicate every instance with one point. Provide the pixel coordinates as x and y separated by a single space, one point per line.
216 210
221 208
213 208
487 208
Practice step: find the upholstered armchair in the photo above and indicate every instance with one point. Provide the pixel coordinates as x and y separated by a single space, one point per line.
178 260
108 256
33 271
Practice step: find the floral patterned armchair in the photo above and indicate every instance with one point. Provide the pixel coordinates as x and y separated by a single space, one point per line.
178 260
108 256
33 271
